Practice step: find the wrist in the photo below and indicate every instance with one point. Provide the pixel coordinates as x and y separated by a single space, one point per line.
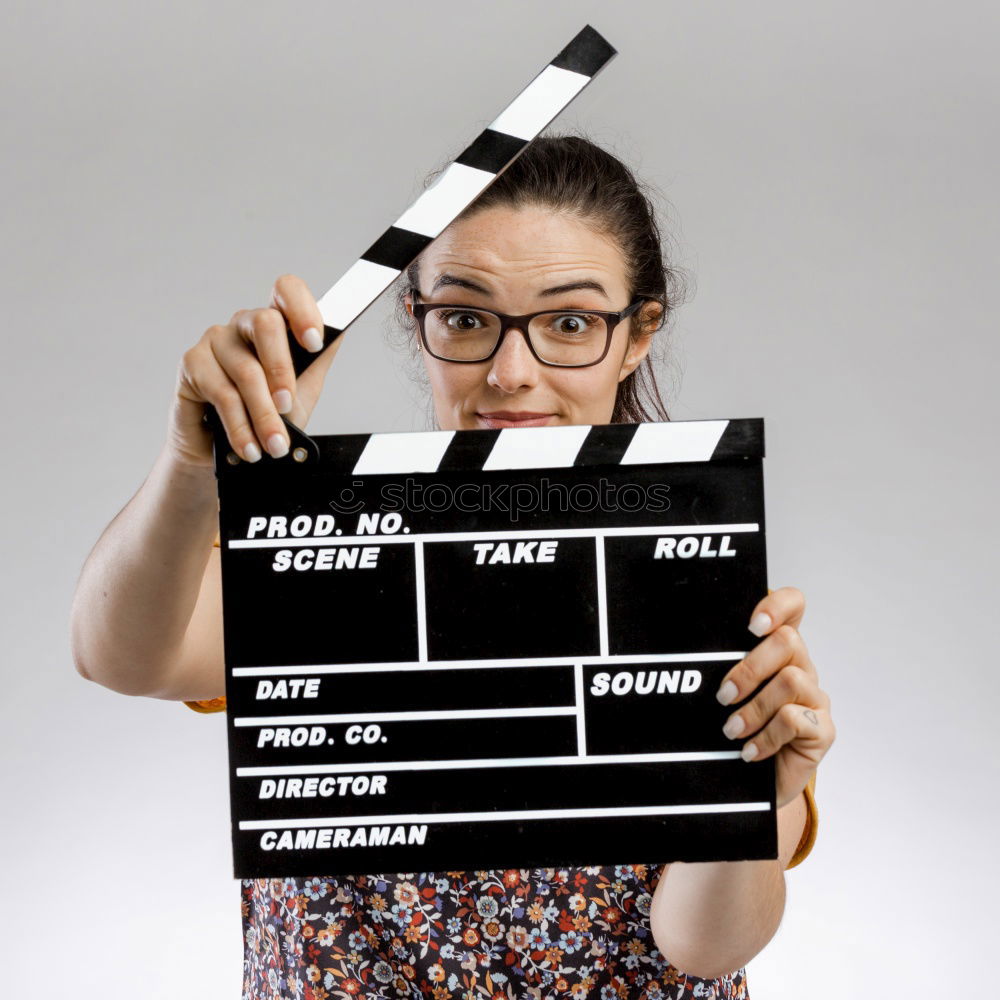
189 485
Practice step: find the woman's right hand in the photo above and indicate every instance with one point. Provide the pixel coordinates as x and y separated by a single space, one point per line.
244 369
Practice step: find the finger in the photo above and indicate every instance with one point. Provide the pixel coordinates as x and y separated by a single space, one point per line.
201 379
811 730
782 647
291 295
784 606
790 685
266 332
244 369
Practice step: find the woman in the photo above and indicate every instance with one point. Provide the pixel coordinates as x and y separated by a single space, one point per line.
565 228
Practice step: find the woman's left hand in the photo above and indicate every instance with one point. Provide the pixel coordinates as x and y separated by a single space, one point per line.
789 717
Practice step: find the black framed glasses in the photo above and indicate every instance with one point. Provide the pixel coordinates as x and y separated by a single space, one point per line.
564 338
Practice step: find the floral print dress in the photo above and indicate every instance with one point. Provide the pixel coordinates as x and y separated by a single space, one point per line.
542 932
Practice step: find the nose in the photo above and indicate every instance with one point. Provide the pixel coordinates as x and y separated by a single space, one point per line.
513 366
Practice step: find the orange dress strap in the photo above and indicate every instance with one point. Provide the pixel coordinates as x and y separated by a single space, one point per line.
811 829
208 704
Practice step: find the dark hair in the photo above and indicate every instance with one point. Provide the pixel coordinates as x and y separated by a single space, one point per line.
572 174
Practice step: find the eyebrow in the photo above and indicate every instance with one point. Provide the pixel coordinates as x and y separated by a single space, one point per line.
572 286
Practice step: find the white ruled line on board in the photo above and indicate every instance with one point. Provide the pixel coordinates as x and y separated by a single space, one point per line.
581 715
418 568
511 814
602 596
423 716
498 664
676 757
476 536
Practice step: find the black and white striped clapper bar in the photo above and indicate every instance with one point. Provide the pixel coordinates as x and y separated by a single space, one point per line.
477 649
458 186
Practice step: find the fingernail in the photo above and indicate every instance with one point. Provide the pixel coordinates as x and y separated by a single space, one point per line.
313 339
251 452
749 751
277 445
734 727
283 400
760 624
727 693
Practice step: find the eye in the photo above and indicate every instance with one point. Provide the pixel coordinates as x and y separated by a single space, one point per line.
462 321
573 324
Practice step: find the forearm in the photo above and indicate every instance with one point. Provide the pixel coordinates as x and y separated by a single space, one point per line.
139 585
710 918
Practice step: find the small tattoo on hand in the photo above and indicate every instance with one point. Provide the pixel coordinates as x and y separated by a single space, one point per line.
811 716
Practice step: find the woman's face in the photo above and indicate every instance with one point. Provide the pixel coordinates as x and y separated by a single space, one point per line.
518 261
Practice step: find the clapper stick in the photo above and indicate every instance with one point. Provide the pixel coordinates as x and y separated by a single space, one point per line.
464 180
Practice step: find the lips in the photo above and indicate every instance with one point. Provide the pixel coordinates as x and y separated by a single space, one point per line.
514 418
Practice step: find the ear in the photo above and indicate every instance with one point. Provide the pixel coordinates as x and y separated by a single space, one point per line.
640 337
408 302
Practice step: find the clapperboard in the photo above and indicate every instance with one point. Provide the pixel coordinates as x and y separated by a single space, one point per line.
472 649
455 650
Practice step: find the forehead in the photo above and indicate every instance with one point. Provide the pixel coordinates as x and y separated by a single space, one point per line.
528 244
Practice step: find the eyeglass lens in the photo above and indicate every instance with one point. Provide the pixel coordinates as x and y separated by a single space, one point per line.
562 338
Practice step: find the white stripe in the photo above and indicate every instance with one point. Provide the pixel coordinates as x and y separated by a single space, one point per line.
683 441
426 716
680 756
445 199
540 102
509 814
522 661
363 283
475 536
403 451
537 447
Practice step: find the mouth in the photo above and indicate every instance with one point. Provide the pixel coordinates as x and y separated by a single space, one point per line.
514 418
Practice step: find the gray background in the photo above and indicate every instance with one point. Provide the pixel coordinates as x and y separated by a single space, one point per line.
831 169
